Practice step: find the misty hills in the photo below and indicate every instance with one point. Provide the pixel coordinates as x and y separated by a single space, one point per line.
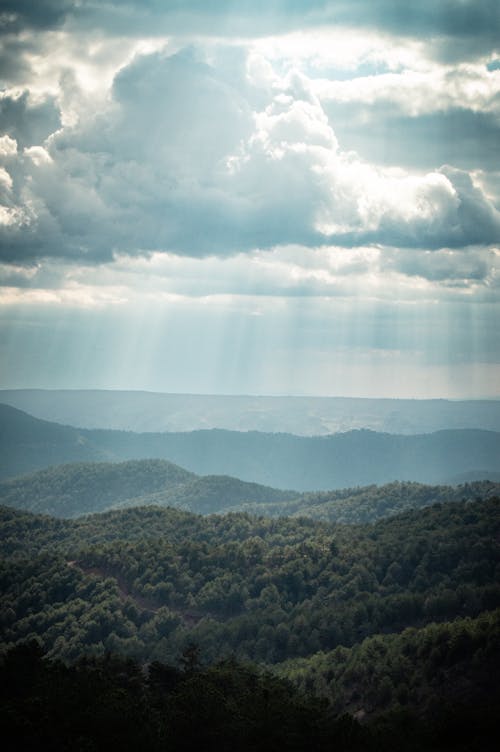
27 443
306 416
355 458
82 488
73 490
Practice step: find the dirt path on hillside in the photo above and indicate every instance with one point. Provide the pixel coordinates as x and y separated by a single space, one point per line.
190 619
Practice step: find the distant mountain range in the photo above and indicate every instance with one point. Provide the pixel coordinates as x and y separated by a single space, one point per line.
354 458
303 416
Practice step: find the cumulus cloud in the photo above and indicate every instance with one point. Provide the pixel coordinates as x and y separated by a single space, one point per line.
439 88
186 159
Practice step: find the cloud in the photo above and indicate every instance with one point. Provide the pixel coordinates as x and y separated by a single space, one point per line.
450 31
28 122
253 196
18 15
418 92
179 160
467 269
383 135
462 19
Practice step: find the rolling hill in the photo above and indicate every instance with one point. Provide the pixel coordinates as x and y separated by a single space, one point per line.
76 489
355 458
82 488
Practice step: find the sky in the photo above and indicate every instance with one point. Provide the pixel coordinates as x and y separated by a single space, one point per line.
251 197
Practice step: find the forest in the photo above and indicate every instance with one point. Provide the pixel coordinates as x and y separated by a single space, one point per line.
396 616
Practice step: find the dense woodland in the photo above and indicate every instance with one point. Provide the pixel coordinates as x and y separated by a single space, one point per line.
111 702
313 599
333 619
369 503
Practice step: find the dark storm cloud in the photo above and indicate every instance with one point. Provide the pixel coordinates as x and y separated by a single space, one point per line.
28 122
381 133
457 268
474 25
17 15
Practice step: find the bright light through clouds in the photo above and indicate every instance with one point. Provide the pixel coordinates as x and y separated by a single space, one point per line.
256 198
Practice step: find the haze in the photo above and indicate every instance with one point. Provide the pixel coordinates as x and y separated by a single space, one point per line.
250 198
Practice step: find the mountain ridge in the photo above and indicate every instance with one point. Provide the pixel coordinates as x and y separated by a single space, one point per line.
282 461
143 411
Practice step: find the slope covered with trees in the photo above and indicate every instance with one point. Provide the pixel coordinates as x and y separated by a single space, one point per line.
81 488
146 581
417 668
399 617
371 503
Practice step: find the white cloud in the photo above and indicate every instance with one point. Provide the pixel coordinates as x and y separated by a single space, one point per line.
178 160
8 146
417 92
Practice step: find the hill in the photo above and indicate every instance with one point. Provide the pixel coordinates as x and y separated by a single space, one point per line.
400 617
27 443
370 503
308 416
282 461
146 582
81 488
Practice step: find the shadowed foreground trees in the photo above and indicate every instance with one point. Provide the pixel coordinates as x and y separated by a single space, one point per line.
110 703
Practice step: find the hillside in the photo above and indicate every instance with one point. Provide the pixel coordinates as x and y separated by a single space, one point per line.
82 488
28 444
395 622
436 661
284 461
210 494
370 503
145 582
